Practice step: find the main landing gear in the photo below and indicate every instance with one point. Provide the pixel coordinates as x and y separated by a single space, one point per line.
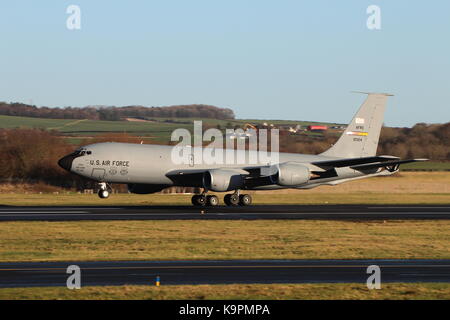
201 200
233 199
104 191
236 199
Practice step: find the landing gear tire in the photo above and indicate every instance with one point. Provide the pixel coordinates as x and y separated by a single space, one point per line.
194 200
104 191
199 200
103 194
245 200
212 201
231 199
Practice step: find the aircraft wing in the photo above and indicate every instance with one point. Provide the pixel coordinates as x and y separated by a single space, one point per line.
253 176
384 164
194 177
266 175
187 177
340 163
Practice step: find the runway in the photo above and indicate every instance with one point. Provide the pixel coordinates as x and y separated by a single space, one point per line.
222 272
256 212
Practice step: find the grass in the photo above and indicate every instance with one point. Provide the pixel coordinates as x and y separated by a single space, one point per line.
404 188
71 125
428 165
71 199
206 239
9 122
93 127
392 291
160 129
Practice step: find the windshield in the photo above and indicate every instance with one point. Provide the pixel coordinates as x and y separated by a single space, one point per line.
81 152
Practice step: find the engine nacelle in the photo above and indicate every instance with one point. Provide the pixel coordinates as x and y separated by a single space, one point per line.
293 174
221 180
145 188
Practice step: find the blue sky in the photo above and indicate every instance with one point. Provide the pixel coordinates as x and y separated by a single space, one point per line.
264 59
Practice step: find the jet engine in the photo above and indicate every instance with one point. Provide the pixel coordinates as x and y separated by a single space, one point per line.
145 188
292 174
221 180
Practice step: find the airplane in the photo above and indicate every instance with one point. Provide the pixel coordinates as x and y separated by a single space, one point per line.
149 168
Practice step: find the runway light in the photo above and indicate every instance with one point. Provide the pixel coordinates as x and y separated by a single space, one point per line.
158 281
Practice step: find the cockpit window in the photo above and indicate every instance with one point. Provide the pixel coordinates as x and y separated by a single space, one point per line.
81 152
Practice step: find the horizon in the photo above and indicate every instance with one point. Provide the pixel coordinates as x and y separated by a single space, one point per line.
235 118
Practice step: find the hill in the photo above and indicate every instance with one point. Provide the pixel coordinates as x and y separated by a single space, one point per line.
115 113
157 128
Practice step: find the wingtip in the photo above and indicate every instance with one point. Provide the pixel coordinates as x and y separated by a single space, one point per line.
389 157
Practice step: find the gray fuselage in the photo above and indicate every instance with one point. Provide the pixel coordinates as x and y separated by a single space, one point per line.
150 164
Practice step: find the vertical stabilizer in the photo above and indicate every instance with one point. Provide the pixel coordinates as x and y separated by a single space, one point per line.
360 139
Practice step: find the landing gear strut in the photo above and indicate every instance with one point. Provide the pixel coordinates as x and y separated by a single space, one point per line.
103 193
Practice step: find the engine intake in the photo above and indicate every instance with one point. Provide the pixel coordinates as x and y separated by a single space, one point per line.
293 174
220 180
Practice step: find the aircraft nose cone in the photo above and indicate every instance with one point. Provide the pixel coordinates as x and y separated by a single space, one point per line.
66 162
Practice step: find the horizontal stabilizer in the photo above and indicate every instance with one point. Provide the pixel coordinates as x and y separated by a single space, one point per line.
384 164
352 161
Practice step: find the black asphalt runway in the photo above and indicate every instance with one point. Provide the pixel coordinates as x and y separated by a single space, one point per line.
256 212
223 272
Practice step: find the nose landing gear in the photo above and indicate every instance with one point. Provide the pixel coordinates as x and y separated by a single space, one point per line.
103 194
104 191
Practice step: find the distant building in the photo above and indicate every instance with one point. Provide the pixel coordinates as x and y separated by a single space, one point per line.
317 128
339 127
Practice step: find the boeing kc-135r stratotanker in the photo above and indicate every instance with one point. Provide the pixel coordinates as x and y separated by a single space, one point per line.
150 168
